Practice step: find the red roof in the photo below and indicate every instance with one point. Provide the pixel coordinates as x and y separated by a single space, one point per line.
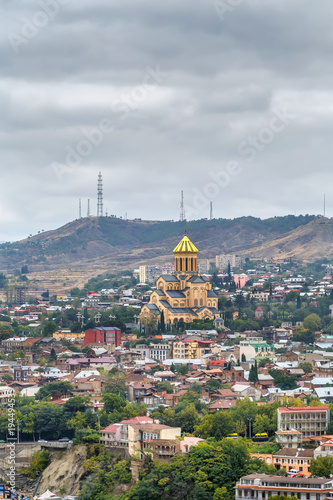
298 409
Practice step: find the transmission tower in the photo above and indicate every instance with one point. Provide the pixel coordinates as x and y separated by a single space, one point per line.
182 216
88 209
80 215
100 195
211 210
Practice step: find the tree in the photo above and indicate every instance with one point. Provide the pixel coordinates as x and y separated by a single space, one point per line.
116 384
49 329
213 385
24 269
165 386
113 402
150 323
306 367
253 375
188 418
50 421
162 322
321 466
53 355
182 369
261 424
76 403
61 387
217 425
243 359
312 322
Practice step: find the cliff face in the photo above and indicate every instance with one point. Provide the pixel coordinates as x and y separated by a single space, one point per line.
64 472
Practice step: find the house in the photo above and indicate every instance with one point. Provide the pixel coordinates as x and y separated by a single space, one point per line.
143 436
294 458
245 390
259 313
262 486
221 404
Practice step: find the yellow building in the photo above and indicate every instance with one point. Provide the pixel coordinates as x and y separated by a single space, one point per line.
183 295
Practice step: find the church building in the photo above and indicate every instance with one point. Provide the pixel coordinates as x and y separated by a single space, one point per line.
183 295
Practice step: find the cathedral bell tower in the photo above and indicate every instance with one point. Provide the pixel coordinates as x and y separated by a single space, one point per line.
186 257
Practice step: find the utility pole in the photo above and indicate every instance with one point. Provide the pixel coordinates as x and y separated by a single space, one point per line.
182 216
250 420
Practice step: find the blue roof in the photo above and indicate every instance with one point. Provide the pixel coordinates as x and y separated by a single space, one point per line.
152 306
165 303
175 294
169 277
196 279
159 292
210 293
187 310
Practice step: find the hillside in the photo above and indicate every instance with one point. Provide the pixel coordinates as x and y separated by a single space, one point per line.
130 241
310 242
68 256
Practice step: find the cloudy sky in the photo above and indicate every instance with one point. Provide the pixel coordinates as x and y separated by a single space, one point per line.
230 101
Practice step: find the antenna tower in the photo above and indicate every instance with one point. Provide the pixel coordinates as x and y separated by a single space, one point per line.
80 214
100 195
324 205
182 216
211 210
88 209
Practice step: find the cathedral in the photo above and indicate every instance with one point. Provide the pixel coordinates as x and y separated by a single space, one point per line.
183 295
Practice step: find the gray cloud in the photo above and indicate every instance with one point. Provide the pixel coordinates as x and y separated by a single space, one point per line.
225 79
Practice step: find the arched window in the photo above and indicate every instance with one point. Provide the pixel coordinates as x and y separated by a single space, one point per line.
201 302
195 302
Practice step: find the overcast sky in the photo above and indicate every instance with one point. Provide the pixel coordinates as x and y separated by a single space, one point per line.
230 101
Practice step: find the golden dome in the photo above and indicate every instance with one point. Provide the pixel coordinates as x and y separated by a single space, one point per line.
185 246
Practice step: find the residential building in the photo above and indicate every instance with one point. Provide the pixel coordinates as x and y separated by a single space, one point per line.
106 335
158 352
143 436
309 420
222 261
289 439
293 458
254 347
263 486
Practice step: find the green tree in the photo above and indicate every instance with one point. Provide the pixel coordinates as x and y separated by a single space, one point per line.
182 369
261 424
217 425
62 387
306 367
188 418
321 467
115 383
213 385
50 421
49 329
312 322
113 402
53 355
165 386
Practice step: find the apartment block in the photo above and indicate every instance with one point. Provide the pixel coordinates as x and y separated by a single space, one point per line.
224 259
262 486
309 420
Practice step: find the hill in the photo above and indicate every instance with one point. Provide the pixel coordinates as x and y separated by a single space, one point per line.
309 242
69 255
